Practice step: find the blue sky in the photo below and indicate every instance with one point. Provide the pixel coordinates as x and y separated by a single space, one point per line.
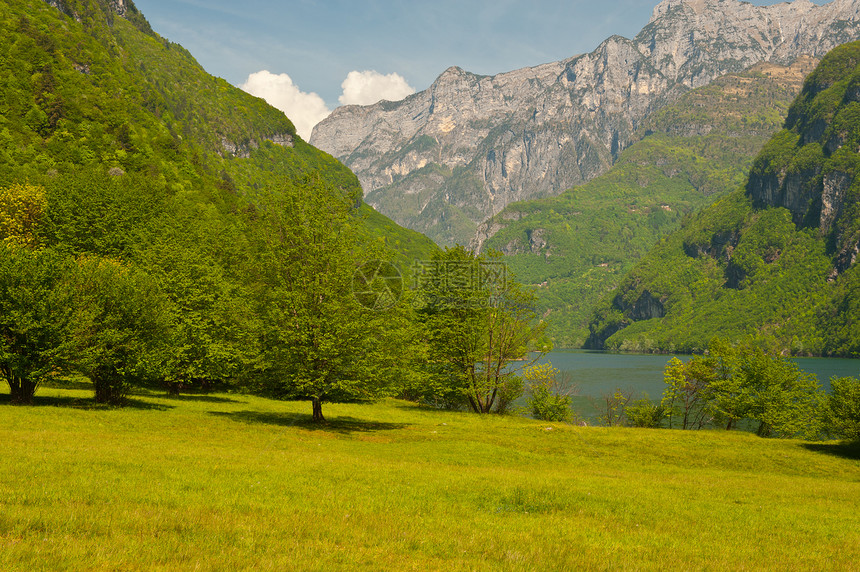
317 44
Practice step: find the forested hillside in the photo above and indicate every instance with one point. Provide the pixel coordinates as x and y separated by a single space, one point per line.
776 257
577 246
85 90
161 225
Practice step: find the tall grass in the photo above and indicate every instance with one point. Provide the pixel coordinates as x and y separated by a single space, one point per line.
226 482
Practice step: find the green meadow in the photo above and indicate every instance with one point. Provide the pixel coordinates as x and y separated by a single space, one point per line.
232 482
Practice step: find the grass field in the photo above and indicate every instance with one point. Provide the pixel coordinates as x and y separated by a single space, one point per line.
231 482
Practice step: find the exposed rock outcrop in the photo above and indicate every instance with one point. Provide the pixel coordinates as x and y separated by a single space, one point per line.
537 131
778 258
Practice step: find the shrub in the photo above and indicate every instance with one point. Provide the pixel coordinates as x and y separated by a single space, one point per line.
843 408
547 399
644 413
613 407
510 390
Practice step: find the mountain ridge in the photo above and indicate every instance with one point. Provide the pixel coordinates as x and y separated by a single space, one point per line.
578 245
538 131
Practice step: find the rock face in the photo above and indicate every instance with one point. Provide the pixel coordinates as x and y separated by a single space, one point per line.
451 156
811 166
777 258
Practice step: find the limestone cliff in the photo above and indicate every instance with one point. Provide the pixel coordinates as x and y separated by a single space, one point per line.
811 166
451 156
777 258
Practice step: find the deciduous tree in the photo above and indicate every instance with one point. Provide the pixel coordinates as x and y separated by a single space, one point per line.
843 408
479 323
122 327
317 341
37 317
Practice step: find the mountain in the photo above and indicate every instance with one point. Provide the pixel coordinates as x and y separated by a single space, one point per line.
775 258
166 195
88 85
445 159
577 246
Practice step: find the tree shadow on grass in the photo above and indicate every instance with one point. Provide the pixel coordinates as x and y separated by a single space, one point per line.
87 403
342 425
68 384
845 449
200 397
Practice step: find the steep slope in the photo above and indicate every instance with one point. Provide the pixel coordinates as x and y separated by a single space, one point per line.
87 85
119 152
775 258
579 245
445 159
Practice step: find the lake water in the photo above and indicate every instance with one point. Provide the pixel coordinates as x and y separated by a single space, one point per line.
598 373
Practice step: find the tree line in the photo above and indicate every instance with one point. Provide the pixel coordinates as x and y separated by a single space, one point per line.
291 297
743 386
102 275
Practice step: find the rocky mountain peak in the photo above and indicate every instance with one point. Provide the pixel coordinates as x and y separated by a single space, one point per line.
449 157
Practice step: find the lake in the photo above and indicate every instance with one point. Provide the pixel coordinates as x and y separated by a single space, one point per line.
597 373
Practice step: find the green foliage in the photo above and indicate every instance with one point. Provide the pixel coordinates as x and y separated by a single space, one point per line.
613 407
317 340
94 212
577 247
21 210
687 393
755 272
546 399
775 267
121 330
176 130
511 388
644 413
478 322
196 260
407 245
118 149
743 383
37 318
842 418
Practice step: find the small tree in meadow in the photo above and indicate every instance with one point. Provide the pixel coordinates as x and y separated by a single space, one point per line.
613 406
687 392
479 324
122 326
547 400
317 340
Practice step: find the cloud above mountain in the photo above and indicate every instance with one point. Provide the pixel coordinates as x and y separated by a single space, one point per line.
304 109
369 86
307 109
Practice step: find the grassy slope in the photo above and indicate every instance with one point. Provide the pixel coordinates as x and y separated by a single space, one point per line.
692 151
738 269
232 482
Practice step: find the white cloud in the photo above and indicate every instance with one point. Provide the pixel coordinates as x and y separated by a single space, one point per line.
368 87
304 109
